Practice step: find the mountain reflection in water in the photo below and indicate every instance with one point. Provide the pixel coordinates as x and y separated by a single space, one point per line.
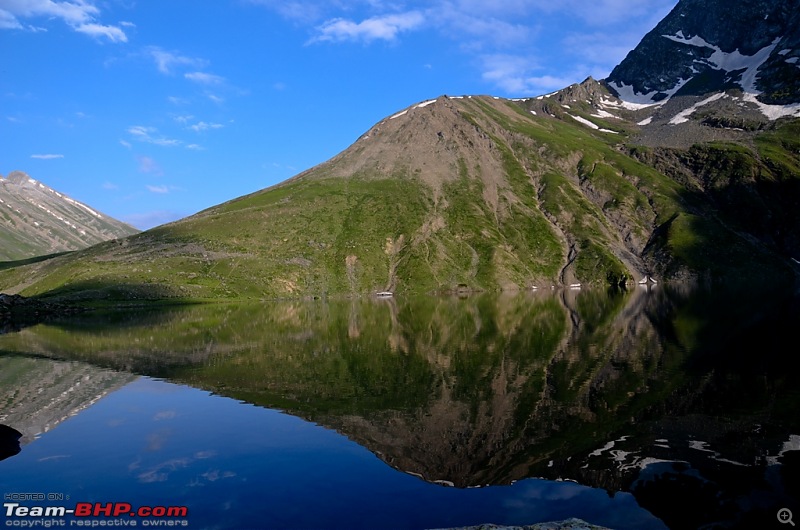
687 399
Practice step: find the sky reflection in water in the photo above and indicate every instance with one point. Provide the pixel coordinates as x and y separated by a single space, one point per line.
236 465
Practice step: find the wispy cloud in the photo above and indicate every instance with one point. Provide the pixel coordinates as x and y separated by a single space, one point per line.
112 33
204 126
493 32
183 119
386 27
167 61
146 220
306 11
150 135
149 166
522 75
476 30
177 101
204 78
80 15
158 189
47 156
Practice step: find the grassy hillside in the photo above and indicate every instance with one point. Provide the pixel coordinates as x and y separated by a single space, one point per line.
462 193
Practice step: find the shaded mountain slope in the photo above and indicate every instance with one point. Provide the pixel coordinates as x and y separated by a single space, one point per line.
36 220
453 193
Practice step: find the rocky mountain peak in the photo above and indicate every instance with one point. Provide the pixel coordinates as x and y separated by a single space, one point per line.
18 177
706 46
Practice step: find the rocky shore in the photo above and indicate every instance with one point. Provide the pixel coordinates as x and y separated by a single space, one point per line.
17 312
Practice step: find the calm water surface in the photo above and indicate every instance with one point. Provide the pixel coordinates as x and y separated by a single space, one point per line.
660 408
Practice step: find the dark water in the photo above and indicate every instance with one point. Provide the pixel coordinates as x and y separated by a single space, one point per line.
661 408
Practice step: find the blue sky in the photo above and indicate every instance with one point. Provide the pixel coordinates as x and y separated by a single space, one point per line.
153 110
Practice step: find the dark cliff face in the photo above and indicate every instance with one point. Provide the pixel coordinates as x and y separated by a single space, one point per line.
711 45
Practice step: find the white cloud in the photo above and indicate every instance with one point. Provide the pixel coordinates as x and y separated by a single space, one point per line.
80 15
158 189
385 27
204 78
47 156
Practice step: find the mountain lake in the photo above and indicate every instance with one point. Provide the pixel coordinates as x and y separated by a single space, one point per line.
659 407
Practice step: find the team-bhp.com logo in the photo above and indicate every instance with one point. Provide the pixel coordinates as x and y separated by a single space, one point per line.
87 514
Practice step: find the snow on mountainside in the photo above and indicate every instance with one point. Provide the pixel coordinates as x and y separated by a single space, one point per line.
749 49
36 219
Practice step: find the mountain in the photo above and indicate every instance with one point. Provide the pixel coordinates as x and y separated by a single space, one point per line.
39 394
706 46
38 220
604 182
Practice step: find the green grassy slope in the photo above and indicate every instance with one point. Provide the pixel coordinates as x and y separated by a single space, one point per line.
472 193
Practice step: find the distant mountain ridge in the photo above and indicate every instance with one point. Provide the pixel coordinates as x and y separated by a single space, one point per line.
36 220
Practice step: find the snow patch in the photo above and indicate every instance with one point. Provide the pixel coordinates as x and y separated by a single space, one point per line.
773 112
398 114
792 444
683 116
603 114
590 124
425 103
646 121
642 463
730 61
76 203
632 100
